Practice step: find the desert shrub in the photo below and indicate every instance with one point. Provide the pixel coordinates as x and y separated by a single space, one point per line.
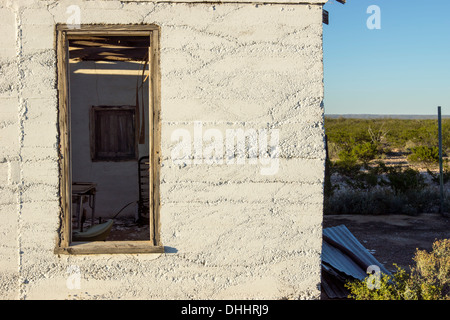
429 279
423 201
365 177
409 145
383 201
424 154
431 274
435 177
345 168
374 202
333 150
394 133
389 287
347 159
402 181
365 152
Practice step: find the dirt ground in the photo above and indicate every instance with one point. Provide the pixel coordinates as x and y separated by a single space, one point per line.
394 238
126 229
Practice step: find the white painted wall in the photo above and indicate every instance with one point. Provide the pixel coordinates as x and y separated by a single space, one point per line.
230 231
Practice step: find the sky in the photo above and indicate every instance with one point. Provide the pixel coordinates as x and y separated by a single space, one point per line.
402 68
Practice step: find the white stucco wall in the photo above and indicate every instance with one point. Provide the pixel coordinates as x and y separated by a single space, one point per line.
230 232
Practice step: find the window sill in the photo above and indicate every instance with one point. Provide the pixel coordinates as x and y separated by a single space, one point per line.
110 247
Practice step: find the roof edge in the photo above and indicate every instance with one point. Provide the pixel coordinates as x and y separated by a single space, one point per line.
285 2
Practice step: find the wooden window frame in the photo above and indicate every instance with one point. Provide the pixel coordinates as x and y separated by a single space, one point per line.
94 112
64 244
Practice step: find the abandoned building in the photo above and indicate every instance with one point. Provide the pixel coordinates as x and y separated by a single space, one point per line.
161 149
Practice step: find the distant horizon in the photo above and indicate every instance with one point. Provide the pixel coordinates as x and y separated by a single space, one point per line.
387 116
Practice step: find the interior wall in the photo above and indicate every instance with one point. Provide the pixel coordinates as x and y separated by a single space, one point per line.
105 84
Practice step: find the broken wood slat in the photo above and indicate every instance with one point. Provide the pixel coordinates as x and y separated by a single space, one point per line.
100 53
111 41
88 44
120 46
107 58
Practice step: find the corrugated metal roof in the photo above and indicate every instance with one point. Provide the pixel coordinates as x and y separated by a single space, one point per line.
340 260
344 258
333 283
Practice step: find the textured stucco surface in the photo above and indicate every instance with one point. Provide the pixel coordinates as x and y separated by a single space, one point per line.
230 232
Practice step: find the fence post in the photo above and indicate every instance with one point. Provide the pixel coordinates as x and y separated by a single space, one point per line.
441 175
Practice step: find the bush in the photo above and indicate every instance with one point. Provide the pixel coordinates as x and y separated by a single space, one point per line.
402 181
424 154
429 279
374 202
363 152
399 180
431 275
383 201
346 168
435 177
389 287
347 159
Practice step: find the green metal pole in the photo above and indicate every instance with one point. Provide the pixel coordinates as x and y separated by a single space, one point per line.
441 175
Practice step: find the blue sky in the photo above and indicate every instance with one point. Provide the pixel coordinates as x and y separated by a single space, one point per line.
402 68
